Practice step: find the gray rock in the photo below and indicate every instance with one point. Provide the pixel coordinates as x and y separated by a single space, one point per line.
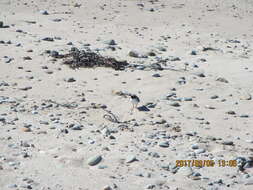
199 151
228 142
164 144
156 75
110 42
214 97
107 187
136 54
160 48
77 127
43 12
130 159
244 116
195 146
185 171
156 66
231 112
70 79
92 161
193 52
175 104
200 74
49 39
221 79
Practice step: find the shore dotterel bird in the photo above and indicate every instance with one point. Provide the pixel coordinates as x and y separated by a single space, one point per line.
135 100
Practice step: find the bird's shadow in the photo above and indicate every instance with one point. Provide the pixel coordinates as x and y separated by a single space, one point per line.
143 108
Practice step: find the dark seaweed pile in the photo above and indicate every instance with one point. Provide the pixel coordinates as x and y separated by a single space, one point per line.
81 58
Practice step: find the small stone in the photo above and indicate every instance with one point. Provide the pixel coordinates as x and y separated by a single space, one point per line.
27 58
164 144
94 160
43 12
54 53
193 52
221 79
214 97
150 186
110 42
231 112
249 182
26 129
77 127
228 143
107 187
49 39
175 104
186 171
161 48
12 186
195 146
130 159
199 151
1 24
71 79
136 54
244 116
246 96
156 75
200 74
156 66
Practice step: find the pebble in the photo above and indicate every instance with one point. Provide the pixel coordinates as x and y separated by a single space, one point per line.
136 54
49 39
199 151
175 104
185 171
107 188
221 79
130 159
195 146
246 96
228 143
156 75
92 161
25 129
110 42
43 12
164 144
70 79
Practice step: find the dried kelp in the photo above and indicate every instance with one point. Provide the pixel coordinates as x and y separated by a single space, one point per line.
84 58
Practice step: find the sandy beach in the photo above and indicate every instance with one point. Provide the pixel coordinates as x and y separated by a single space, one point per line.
190 63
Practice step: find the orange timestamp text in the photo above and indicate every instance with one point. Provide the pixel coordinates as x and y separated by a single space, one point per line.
206 163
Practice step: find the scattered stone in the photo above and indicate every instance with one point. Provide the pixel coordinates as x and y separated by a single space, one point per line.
107 188
43 12
175 104
71 79
110 42
156 75
136 54
164 144
26 129
49 39
221 79
228 143
246 96
130 159
92 161
200 151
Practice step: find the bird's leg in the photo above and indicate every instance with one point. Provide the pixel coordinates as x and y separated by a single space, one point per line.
132 108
